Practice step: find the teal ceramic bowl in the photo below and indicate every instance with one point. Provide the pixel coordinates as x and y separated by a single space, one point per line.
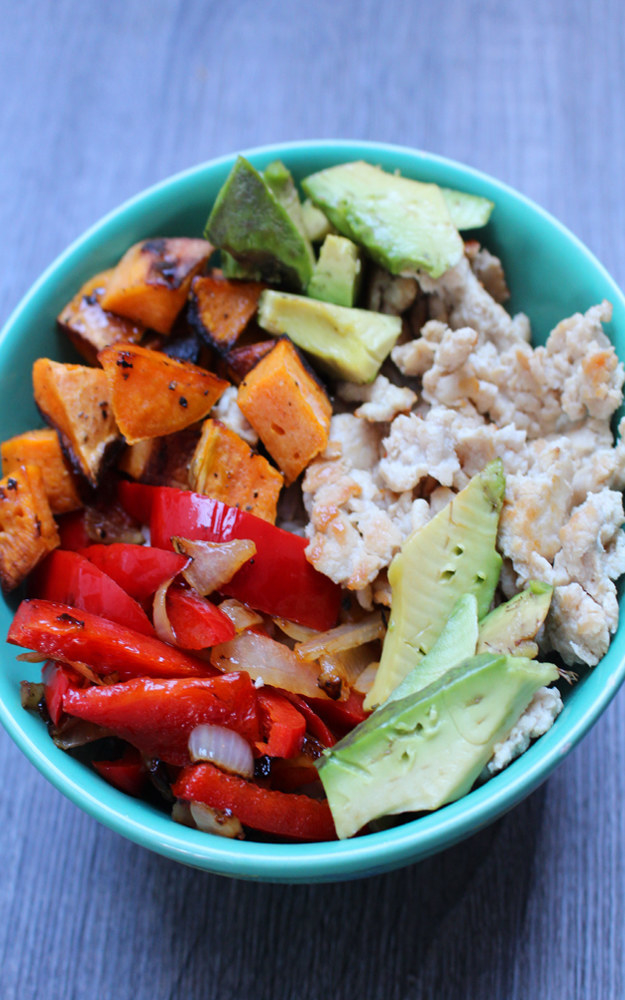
551 275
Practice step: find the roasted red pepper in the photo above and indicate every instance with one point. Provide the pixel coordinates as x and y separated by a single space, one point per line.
295 816
197 623
73 531
314 723
57 680
283 726
138 569
128 773
67 633
341 716
277 580
69 578
157 716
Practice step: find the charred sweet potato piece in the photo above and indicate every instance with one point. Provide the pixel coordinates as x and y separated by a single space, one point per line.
241 360
43 449
76 401
225 467
89 327
27 528
151 282
287 408
220 309
152 394
163 461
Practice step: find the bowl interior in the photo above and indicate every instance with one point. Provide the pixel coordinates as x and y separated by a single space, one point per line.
551 275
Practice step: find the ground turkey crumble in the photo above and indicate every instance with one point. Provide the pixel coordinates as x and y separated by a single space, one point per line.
466 389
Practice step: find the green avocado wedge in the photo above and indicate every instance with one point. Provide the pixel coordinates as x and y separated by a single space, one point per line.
349 343
404 225
420 752
253 226
451 555
468 211
512 626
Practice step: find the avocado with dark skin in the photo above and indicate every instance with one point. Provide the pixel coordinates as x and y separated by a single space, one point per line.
251 224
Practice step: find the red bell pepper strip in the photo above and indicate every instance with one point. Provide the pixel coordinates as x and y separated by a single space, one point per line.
136 499
66 633
138 569
197 623
57 681
72 530
69 578
341 716
278 580
128 773
314 723
283 726
157 716
295 816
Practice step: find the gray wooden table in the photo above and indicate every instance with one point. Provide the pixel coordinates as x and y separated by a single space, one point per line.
100 99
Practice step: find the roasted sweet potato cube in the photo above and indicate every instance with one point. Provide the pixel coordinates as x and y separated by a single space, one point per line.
241 360
225 467
43 449
76 401
153 394
220 309
89 327
27 528
151 282
163 461
287 407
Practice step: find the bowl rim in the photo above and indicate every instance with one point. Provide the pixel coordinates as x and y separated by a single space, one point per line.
329 861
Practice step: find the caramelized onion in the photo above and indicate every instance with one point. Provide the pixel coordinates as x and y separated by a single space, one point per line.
221 746
210 820
343 637
239 614
212 564
364 682
268 661
160 618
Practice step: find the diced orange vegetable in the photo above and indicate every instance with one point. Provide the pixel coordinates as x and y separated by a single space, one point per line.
287 408
43 449
153 394
27 528
241 360
89 327
163 461
151 282
220 309
225 467
76 401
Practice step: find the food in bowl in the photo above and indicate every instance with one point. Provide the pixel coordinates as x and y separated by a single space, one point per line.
462 398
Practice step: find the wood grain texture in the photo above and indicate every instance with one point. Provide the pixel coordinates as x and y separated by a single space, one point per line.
100 100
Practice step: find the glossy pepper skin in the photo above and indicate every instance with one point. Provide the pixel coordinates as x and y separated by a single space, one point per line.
63 632
68 578
282 814
157 716
284 727
138 569
278 580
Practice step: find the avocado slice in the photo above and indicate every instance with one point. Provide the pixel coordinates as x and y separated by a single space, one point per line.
337 273
280 180
404 225
427 749
511 627
451 555
468 211
253 226
456 643
316 224
350 343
